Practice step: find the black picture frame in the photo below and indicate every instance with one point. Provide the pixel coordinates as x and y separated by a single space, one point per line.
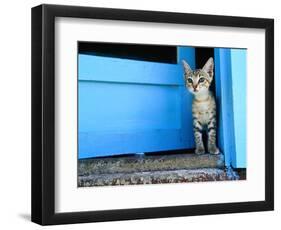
43 114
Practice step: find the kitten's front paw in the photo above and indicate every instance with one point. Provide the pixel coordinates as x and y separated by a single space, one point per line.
213 150
200 150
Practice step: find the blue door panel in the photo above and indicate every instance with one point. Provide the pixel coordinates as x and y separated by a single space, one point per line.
128 106
224 103
239 86
95 68
129 142
230 74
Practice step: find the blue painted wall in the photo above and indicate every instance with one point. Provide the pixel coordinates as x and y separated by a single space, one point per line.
129 106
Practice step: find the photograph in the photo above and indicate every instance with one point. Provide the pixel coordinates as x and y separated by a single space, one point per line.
140 114
155 114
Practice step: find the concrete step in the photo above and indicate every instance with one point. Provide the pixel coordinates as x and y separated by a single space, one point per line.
132 164
157 177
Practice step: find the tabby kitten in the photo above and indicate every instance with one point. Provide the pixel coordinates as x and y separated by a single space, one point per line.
203 106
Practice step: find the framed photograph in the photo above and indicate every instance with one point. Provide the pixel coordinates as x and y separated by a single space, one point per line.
142 114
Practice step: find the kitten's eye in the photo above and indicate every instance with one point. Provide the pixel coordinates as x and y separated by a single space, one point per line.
202 79
189 80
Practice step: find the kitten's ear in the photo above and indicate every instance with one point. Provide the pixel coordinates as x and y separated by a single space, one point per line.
186 67
209 67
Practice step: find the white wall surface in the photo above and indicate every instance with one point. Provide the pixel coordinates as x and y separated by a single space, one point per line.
15 120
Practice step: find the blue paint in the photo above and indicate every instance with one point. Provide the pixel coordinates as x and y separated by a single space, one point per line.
239 85
109 143
230 74
107 69
128 106
188 54
226 141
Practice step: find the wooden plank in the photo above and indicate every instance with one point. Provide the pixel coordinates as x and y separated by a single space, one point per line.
107 69
93 144
108 106
239 85
226 137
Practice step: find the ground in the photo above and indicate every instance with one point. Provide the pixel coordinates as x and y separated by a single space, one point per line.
155 169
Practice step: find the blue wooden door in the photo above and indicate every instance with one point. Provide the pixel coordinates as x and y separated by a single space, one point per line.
231 79
130 106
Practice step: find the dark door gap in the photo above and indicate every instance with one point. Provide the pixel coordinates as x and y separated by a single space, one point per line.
153 53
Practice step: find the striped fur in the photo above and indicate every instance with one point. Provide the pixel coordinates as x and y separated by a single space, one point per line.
203 106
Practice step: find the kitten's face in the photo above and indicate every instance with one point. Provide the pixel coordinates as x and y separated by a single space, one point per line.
199 80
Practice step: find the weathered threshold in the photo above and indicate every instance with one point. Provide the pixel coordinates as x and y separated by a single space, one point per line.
149 163
158 169
156 177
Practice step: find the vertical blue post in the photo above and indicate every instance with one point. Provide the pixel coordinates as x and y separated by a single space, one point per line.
239 85
226 138
187 54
